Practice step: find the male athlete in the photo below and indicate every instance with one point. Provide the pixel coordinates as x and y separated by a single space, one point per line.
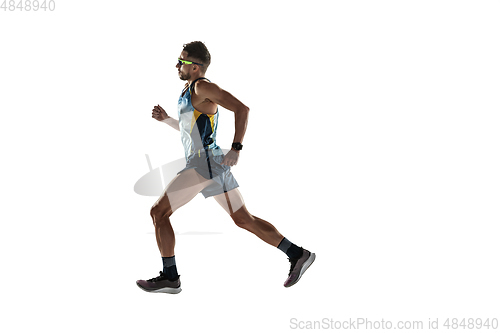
208 170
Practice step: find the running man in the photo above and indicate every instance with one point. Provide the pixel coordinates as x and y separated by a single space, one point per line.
208 170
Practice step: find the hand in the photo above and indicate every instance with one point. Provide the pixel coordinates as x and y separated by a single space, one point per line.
159 114
231 158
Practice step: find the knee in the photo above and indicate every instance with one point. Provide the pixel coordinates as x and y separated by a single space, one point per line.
242 220
158 213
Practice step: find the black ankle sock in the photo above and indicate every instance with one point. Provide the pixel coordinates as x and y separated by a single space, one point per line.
169 268
171 273
291 250
294 252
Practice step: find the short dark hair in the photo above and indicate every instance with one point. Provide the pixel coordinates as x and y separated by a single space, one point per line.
198 51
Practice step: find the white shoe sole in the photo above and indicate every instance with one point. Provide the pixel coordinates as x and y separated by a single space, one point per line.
168 290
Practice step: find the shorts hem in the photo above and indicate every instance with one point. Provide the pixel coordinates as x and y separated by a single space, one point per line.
217 192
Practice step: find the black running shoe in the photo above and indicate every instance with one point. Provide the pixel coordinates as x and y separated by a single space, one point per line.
298 267
160 284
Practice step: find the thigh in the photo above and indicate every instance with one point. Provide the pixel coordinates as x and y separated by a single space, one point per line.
184 187
231 201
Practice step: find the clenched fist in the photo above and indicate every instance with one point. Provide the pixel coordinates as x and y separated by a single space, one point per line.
159 114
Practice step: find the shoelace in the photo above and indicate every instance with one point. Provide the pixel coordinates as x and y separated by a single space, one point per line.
162 276
157 278
293 262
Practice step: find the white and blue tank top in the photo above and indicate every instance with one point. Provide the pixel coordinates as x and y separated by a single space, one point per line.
198 130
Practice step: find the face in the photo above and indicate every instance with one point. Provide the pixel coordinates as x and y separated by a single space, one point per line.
184 70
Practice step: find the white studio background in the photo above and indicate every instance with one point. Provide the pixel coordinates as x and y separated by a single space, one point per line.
372 140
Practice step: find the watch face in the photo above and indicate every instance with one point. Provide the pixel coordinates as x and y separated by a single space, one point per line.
237 146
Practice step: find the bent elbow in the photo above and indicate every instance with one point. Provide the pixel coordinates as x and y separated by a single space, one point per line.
242 110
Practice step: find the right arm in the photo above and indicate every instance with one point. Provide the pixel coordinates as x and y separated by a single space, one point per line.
160 115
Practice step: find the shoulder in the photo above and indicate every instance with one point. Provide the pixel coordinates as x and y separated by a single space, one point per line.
204 84
206 88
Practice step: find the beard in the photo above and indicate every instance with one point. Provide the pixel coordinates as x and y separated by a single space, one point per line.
184 76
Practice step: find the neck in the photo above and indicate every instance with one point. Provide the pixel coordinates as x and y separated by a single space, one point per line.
193 78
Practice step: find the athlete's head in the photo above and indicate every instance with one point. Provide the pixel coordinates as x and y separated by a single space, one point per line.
197 54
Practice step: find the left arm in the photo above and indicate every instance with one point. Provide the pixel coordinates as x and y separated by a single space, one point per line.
223 98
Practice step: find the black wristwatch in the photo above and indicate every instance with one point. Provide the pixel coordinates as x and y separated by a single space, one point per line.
237 146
